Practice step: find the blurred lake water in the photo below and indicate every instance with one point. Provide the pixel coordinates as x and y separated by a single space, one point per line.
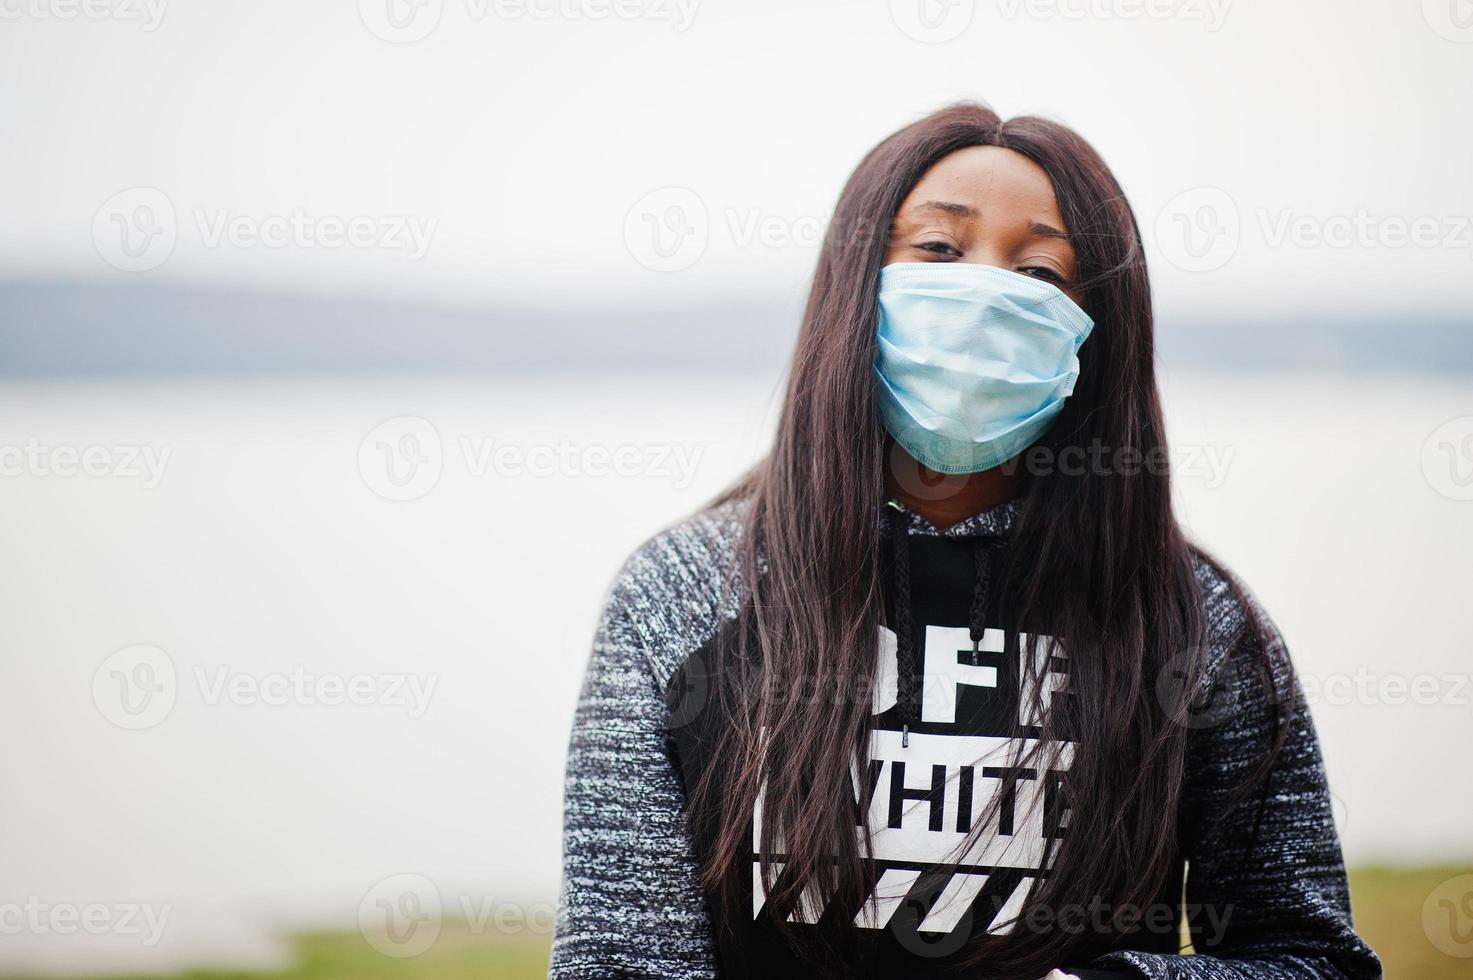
445 543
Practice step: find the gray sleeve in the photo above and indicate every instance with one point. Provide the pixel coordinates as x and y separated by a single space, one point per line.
630 903
1266 888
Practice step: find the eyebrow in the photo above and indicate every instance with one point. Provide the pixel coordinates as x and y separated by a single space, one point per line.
947 207
1046 231
1035 228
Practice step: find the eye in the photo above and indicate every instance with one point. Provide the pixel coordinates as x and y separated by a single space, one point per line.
1043 272
938 248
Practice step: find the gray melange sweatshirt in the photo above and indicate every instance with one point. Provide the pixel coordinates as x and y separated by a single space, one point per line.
631 905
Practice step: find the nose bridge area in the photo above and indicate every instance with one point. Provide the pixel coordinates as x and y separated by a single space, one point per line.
993 253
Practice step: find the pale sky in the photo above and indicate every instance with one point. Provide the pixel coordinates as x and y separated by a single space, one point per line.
1317 153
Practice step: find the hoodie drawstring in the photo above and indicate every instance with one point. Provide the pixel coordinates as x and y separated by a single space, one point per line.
908 688
977 619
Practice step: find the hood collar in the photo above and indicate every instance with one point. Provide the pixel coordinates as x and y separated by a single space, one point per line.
996 521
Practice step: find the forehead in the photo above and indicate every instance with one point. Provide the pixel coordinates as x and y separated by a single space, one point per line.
992 180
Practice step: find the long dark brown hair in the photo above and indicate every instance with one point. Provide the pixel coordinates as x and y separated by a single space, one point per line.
1098 556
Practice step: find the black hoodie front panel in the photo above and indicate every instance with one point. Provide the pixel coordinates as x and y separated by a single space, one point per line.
927 895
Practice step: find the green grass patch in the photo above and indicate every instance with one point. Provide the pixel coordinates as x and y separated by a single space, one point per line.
1388 913
458 954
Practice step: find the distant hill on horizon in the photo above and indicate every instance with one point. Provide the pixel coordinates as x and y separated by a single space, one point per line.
83 330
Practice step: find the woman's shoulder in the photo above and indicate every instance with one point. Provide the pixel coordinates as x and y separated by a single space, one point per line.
674 590
1236 623
1225 599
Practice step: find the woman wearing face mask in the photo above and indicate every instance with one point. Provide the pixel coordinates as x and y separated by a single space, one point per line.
940 689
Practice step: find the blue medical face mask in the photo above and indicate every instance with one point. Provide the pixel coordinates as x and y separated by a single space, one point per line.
974 361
